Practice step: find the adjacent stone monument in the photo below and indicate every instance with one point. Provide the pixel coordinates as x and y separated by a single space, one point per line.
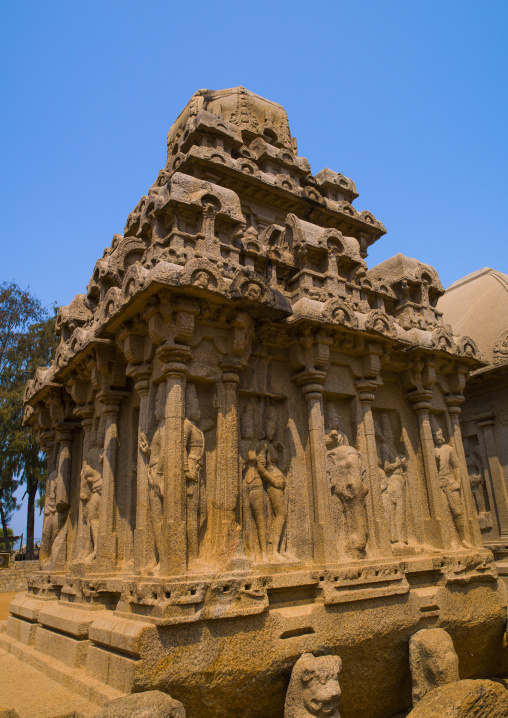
253 443
477 305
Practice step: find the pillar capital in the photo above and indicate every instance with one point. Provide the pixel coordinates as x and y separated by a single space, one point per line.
311 381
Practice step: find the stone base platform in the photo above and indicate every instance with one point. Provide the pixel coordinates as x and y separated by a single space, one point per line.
232 642
74 680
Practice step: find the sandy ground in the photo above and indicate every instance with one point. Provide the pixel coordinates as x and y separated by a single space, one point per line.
30 692
5 599
34 695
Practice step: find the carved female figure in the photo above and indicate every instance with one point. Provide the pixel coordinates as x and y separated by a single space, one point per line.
449 481
345 472
91 487
396 491
270 464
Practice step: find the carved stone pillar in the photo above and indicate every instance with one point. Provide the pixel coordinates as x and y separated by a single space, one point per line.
143 540
379 540
107 543
324 543
434 513
173 558
453 402
487 423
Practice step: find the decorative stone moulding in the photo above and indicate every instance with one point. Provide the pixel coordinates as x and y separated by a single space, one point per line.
253 441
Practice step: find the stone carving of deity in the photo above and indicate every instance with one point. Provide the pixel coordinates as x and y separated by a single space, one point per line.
449 481
50 524
392 468
345 473
395 502
194 449
270 465
91 487
476 476
252 482
155 455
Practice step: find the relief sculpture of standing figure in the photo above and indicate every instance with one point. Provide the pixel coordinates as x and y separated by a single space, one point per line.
91 488
154 453
345 474
271 462
449 482
253 484
50 525
194 448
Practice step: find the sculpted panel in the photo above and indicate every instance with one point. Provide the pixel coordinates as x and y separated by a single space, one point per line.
154 453
264 462
392 465
450 484
194 448
91 487
345 468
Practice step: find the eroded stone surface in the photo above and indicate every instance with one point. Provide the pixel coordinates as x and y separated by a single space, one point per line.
152 704
464 699
433 661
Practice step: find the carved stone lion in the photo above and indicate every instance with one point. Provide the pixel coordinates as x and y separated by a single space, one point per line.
314 687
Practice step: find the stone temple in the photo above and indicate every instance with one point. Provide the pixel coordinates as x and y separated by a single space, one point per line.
253 444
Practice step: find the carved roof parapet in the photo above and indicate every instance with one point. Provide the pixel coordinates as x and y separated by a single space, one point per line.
279 190
335 184
199 238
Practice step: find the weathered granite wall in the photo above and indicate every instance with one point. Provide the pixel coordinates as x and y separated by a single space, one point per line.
14 578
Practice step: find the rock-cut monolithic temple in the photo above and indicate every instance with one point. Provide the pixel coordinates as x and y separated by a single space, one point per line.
253 444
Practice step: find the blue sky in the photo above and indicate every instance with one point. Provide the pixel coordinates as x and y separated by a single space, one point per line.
407 98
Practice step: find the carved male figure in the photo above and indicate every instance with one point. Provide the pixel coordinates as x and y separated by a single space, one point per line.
194 448
476 475
433 661
91 487
449 481
314 687
271 463
345 473
253 484
155 455
50 525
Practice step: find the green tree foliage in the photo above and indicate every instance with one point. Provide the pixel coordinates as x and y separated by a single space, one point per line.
3 544
26 341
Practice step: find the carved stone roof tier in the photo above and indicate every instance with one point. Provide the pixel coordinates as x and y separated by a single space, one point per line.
237 215
477 305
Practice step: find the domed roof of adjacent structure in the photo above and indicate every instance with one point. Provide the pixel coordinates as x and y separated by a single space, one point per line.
477 306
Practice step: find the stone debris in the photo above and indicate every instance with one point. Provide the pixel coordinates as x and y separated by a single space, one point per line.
152 704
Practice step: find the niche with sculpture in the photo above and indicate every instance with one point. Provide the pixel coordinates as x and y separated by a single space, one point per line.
346 473
477 479
450 483
392 458
264 461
